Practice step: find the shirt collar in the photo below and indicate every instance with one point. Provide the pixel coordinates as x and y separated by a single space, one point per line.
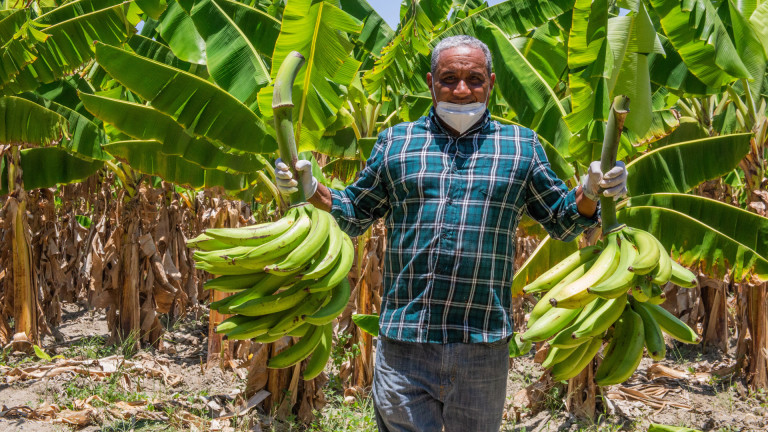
436 125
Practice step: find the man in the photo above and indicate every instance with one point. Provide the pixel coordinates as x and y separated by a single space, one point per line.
452 187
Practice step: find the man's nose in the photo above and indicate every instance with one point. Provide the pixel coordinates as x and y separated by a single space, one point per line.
462 89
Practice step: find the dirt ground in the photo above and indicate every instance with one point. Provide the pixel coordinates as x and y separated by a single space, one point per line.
702 401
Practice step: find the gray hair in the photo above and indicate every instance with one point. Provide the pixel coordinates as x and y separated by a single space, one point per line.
457 41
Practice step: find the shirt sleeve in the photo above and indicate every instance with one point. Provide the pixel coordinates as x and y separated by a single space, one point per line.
549 201
367 199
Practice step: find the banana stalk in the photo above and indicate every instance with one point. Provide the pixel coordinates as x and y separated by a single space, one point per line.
282 105
619 111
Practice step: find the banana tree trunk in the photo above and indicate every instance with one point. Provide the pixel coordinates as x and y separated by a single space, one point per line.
752 327
24 295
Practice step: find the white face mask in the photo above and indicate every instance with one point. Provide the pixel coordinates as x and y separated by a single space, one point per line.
460 117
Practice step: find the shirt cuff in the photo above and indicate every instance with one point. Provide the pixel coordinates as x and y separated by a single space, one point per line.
578 218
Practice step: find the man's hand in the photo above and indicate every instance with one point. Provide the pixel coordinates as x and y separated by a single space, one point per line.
287 185
611 184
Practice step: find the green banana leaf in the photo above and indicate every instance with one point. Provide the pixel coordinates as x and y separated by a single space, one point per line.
671 72
513 17
17 114
759 22
153 8
367 323
201 107
700 38
145 123
404 61
178 30
72 29
704 233
156 51
147 157
60 168
682 166
376 33
85 137
547 254
523 87
237 38
748 46
318 31
591 64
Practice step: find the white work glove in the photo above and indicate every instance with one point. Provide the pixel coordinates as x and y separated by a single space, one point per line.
287 185
611 184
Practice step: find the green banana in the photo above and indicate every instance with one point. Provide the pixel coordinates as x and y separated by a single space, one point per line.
557 355
647 250
654 340
339 271
564 338
543 305
642 289
300 257
320 355
575 294
266 305
624 357
551 277
569 369
336 305
599 321
657 295
681 276
297 315
661 274
300 331
234 283
254 235
265 287
329 255
671 324
206 243
518 347
298 351
550 323
655 427
232 323
621 279
255 327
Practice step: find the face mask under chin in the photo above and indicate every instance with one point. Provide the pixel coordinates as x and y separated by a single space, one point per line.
460 117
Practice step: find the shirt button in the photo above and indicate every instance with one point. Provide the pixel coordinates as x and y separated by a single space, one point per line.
445 235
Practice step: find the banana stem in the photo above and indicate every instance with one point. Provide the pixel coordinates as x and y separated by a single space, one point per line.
619 111
282 105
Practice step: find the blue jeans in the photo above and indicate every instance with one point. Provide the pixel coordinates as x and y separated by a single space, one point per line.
424 387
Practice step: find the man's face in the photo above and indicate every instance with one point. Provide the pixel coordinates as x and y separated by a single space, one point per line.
461 77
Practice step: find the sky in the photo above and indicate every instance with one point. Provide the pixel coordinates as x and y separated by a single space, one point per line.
390 10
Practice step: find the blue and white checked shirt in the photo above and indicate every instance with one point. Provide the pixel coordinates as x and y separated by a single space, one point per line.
451 207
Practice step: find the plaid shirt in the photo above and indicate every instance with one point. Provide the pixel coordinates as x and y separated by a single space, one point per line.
451 207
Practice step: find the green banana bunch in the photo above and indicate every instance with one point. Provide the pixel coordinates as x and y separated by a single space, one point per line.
587 293
287 278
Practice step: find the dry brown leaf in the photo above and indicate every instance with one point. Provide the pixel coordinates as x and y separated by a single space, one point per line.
660 371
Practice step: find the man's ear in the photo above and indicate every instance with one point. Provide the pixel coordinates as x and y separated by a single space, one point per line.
429 79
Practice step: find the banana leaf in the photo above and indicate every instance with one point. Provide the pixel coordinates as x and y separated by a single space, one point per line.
318 31
747 44
60 168
237 37
367 323
700 38
17 114
144 123
522 86
178 30
72 29
156 51
153 8
682 166
547 254
671 72
702 232
376 33
147 157
201 107
85 137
